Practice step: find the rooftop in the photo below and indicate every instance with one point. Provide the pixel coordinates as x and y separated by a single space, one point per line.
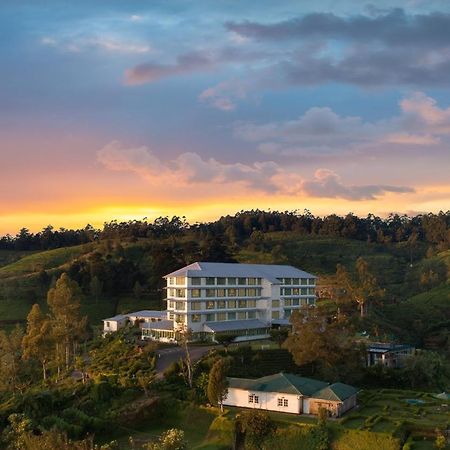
162 325
336 392
148 313
268 271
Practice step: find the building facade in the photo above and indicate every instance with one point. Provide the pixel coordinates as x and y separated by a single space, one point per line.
242 300
291 394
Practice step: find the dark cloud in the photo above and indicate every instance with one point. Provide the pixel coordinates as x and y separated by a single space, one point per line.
393 27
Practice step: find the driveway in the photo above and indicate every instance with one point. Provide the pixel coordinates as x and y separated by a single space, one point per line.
167 356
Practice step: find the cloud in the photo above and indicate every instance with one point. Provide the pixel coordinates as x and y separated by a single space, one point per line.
327 183
224 95
78 44
190 169
320 130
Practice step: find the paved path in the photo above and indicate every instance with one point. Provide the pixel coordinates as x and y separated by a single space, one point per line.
167 356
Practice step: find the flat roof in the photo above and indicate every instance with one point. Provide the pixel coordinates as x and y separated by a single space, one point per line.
268 271
162 325
234 325
147 313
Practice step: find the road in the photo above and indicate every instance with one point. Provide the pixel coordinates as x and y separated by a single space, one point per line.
167 356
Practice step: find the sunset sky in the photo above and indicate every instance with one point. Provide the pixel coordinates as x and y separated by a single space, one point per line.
129 109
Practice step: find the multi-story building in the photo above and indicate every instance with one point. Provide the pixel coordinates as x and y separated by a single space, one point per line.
243 300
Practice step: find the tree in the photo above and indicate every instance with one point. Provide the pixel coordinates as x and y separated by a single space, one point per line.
37 342
138 290
279 335
10 359
172 439
96 288
185 337
217 383
225 340
68 326
257 427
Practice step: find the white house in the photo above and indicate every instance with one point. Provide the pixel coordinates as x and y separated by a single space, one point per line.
243 300
120 320
291 394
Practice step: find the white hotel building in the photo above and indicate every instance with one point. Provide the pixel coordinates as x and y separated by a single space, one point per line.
243 300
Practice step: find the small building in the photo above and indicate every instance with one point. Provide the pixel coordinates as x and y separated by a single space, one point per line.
388 354
140 317
289 393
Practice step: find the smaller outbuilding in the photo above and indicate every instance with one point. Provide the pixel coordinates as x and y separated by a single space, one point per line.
290 393
388 354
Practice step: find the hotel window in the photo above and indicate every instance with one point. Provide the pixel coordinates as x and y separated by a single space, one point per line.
275 314
287 313
288 281
196 306
280 402
304 291
179 318
210 281
295 281
251 315
195 293
232 316
196 318
242 281
171 305
251 303
170 280
287 291
304 281
221 304
180 280
242 292
220 292
311 281
181 293
231 292
196 281
295 291
242 303
221 316
171 316
210 292
311 291
303 302
251 292
210 305
311 301
221 281
231 304
231 281
252 281
180 306
295 302
210 317
241 315
172 292
285 402
275 303
288 302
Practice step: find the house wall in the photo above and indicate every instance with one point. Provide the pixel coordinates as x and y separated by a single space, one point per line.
336 409
266 400
113 325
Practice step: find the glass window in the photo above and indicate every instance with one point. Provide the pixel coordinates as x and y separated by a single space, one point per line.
275 303
171 304
171 280
287 313
252 281
210 281
220 292
210 305
180 305
295 291
196 306
311 301
231 292
242 303
251 292
210 292
288 281
241 315
221 281
296 281
304 281
296 301
196 318
242 292
311 281
221 316
181 293
171 316
288 302
242 281
275 314
231 281
304 291
171 292
231 304
210 317
287 291
256 399
221 304
251 303
250 398
196 281
179 318
232 316
311 291
285 402
251 315
195 293
280 402
180 281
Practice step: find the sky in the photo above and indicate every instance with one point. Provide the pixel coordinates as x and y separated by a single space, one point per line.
113 109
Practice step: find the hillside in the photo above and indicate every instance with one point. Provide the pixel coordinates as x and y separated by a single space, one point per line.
25 277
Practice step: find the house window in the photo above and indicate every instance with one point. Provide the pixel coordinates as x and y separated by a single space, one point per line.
251 398
285 402
195 293
196 281
256 399
107 325
280 402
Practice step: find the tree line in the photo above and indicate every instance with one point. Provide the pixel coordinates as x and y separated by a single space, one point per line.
430 228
